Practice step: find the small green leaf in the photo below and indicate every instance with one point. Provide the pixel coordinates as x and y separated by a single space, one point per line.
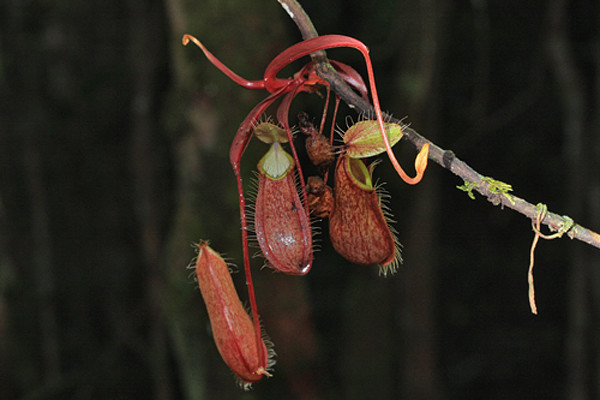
468 187
363 139
496 186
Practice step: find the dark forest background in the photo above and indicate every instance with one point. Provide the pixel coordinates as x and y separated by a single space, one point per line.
113 160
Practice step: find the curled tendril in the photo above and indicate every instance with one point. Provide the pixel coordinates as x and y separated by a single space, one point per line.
566 225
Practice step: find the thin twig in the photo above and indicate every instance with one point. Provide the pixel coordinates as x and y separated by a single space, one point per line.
445 158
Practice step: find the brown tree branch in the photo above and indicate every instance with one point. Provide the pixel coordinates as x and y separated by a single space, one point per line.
493 190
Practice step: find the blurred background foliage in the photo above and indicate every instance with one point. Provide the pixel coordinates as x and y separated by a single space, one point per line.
114 160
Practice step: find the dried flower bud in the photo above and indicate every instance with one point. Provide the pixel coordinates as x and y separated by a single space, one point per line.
320 197
281 223
319 151
357 225
318 148
232 327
